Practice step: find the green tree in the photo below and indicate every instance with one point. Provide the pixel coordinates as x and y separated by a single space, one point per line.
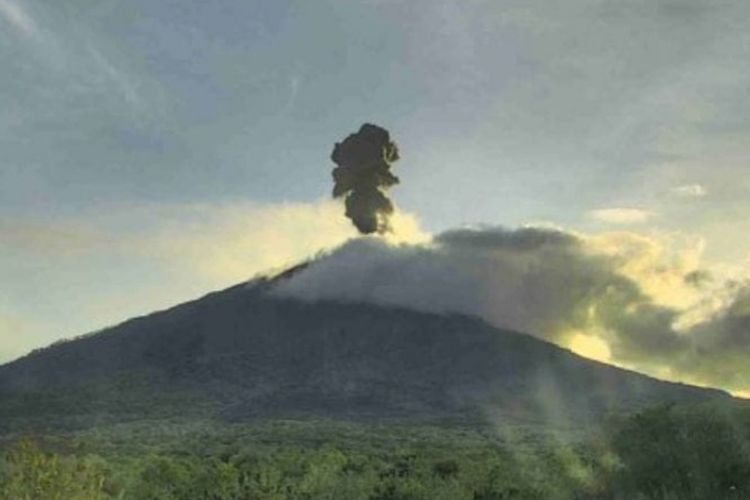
28 473
688 453
162 478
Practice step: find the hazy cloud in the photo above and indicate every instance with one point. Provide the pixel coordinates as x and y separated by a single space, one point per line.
14 14
621 215
123 261
12 337
690 191
48 237
119 79
294 85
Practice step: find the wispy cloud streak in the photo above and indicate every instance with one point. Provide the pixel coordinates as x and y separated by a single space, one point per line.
621 215
14 14
117 77
690 191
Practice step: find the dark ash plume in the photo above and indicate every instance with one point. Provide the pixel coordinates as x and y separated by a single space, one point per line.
363 174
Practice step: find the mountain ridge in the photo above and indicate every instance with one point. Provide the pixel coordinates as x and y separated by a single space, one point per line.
242 353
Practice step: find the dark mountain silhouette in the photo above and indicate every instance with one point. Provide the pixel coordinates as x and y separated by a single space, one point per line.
241 353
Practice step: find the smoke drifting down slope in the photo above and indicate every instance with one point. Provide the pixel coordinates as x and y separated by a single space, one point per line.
363 174
612 292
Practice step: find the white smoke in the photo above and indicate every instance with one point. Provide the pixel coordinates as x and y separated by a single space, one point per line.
623 296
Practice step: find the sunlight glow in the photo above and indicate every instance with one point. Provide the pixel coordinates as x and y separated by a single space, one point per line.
590 347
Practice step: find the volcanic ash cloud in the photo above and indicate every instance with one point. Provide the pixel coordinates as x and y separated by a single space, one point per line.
362 176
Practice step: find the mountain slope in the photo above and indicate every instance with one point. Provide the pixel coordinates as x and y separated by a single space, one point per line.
241 353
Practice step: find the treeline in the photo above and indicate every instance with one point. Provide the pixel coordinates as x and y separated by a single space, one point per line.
662 453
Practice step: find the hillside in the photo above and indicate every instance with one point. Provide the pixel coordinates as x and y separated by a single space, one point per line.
240 354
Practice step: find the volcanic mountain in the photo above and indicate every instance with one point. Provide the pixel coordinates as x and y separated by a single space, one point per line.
243 353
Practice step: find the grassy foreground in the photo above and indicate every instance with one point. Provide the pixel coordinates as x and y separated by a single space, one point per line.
661 453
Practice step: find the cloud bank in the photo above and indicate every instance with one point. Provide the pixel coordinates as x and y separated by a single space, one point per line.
645 303
619 297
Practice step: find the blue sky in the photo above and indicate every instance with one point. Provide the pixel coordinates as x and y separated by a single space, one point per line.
145 141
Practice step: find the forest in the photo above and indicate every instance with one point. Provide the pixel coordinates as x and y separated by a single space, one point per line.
665 452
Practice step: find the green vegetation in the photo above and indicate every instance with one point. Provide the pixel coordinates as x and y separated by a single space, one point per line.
672 452
662 453
28 473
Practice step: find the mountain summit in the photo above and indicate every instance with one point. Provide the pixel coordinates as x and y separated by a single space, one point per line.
243 353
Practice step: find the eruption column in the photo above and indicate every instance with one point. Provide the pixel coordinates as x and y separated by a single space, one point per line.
363 175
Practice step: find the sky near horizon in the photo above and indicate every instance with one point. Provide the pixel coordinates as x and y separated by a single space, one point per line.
155 150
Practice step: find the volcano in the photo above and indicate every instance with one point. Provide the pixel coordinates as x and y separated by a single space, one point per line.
243 353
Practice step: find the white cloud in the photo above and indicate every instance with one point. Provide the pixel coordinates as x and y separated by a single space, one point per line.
621 215
17 16
690 191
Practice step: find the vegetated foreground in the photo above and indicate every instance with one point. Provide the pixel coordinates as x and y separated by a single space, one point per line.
668 452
